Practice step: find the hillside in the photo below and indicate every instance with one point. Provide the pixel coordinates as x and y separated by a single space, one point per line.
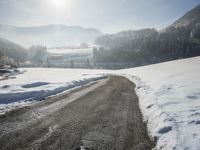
187 26
49 35
149 46
189 19
12 50
170 101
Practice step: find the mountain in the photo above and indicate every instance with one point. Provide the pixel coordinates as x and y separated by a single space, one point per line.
187 26
49 35
190 19
12 50
148 46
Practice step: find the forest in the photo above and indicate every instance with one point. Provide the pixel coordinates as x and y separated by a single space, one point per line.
148 46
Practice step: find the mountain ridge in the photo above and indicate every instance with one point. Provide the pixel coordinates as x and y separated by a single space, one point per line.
191 17
149 46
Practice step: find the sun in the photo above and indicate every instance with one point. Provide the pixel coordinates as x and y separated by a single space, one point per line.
60 3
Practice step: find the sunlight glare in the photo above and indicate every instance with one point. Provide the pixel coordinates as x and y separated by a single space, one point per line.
60 3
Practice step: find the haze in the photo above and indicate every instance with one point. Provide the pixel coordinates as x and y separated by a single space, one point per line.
106 15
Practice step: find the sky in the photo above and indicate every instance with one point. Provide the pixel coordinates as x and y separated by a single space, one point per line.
109 16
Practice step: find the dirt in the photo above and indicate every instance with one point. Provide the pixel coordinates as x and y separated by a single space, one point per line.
102 116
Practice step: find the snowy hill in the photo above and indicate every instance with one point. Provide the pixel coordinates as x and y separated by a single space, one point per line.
169 95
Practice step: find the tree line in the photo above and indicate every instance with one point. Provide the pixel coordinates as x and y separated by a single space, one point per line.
148 46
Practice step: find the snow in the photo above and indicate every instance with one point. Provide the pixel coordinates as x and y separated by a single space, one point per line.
38 83
70 51
169 97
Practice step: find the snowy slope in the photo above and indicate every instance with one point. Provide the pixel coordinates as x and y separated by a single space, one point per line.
169 96
38 83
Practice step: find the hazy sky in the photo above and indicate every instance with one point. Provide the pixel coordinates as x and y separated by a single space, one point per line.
106 15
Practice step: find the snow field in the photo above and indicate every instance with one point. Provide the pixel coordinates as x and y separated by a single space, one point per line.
169 97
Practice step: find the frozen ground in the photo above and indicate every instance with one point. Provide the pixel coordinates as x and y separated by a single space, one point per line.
38 83
169 95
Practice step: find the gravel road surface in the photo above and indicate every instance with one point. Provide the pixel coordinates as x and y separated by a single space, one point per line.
102 116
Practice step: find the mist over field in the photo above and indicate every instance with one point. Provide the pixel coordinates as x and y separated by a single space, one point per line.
49 35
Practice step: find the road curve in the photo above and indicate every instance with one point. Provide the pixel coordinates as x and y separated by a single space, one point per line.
101 116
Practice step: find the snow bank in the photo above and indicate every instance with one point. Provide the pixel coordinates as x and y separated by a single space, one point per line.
38 83
169 96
